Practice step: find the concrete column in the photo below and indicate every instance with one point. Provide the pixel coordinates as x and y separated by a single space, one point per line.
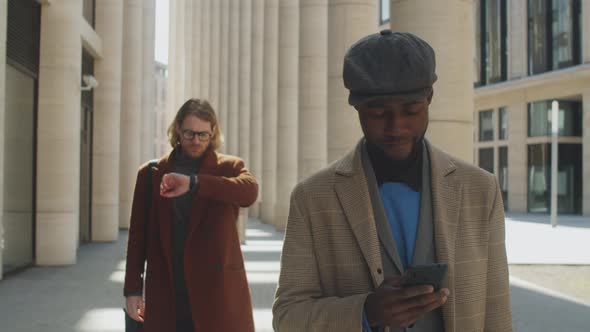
107 117
175 84
517 39
288 108
256 100
232 133
313 87
517 157
348 22
130 107
586 154
148 101
223 107
215 71
245 76
586 31
205 46
448 26
196 49
270 106
3 15
187 25
58 134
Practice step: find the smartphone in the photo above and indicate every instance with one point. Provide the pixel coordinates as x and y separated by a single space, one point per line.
427 274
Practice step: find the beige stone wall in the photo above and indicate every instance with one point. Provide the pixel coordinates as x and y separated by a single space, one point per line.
148 99
3 14
107 117
448 26
58 135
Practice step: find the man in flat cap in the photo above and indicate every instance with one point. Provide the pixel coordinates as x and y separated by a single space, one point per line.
394 202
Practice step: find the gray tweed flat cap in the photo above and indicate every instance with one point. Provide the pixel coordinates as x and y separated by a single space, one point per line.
388 64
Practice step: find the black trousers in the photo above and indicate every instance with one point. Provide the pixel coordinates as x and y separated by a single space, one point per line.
184 320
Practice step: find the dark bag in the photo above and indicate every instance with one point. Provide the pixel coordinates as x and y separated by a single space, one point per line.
131 325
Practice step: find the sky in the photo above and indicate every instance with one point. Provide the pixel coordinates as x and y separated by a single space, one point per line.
162 10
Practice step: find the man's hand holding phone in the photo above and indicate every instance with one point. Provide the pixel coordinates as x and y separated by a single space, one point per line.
399 302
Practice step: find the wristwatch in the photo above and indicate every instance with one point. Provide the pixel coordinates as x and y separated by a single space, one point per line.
192 182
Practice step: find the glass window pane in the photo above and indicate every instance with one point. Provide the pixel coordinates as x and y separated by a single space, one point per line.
486 159
503 125
569 181
570 118
493 38
537 37
486 126
538 177
562 33
503 173
384 15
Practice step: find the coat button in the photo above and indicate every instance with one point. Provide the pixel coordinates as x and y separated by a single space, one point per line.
379 271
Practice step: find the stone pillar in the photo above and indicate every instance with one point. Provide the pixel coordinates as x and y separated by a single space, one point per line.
348 22
107 118
517 39
148 101
196 50
187 24
270 107
313 87
448 26
232 133
517 157
175 84
223 106
245 83
215 53
205 46
256 100
288 108
58 134
585 31
130 107
3 16
586 154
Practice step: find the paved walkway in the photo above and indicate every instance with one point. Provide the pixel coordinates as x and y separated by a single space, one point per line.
87 297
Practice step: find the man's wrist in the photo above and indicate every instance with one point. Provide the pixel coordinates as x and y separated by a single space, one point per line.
192 182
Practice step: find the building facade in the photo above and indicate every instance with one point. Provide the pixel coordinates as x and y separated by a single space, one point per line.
76 83
530 53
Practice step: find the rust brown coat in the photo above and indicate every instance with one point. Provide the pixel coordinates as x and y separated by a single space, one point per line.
214 267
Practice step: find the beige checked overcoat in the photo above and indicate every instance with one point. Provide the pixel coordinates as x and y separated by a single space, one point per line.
331 257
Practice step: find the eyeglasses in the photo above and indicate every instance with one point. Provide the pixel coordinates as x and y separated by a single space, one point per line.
204 136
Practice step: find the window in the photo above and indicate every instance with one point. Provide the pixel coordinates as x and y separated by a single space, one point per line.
570 119
503 125
493 41
569 185
383 11
88 7
503 173
486 159
554 34
486 126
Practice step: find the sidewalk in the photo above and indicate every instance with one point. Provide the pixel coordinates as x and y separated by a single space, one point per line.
87 297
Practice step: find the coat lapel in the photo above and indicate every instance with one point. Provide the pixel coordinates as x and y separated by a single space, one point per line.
163 208
209 167
446 200
352 191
